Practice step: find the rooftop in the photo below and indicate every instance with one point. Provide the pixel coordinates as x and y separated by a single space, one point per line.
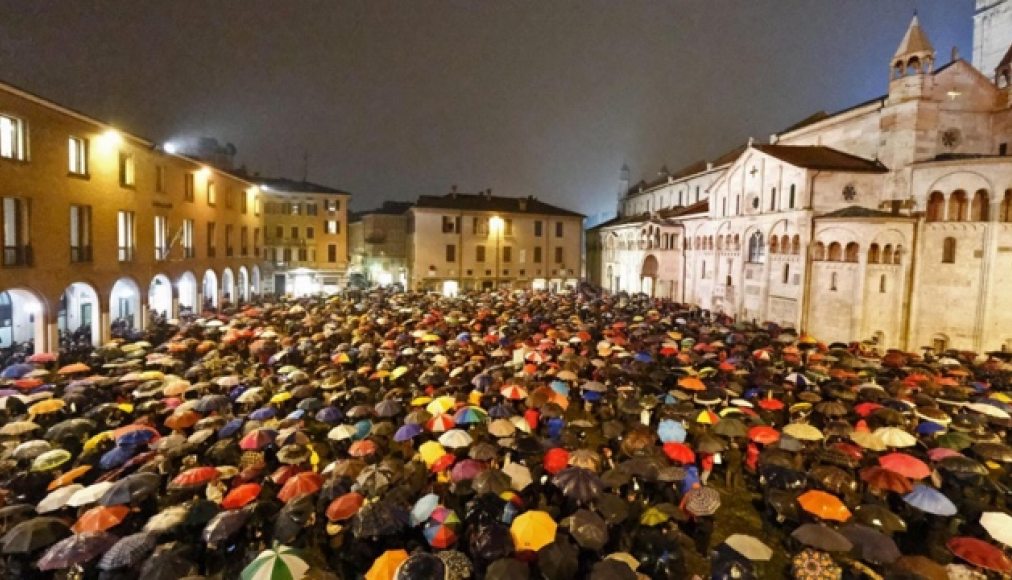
822 158
494 203
856 211
286 185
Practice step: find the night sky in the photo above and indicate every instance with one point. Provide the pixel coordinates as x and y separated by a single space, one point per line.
392 100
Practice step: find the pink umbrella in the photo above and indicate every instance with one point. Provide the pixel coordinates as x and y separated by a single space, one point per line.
940 453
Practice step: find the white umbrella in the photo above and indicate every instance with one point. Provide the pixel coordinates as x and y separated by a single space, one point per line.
342 432
998 524
989 410
750 547
455 439
519 474
895 437
57 499
167 519
90 494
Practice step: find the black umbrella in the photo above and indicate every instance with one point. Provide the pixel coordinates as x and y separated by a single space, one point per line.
832 478
588 529
33 534
508 569
292 518
131 489
421 566
645 467
224 525
708 443
578 484
611 569
127 551
169 562
879 517
615 478
994 451
558 560
77 427
612 507
822 537
484 509
492 481
378 519
873 546
76 549
731 427
490 542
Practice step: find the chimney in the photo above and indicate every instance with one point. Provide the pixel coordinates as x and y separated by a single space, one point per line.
955 53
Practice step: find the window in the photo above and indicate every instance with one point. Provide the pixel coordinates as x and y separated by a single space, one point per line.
1003 149
287 254
835 252
212 248
703 273
228 240
80 233
295 232
537 255
790 201
302 254
756 248
332 226
12 138
508 227
125 228
852 251
832 282
697 193
188 186
296 209
212 193
257 206
311 209
286 208
538 226
256 241
873 254
773 199
451 253
310 233
558 255
127 170
558 229
244 241
479 226
818 252
957 207
949 251
882 284
244 201
77 151
229 198
787 274
17 251
479 253
979 208
188 238
507 254
451 225
333 205
161 237
159 179
279 232
332 253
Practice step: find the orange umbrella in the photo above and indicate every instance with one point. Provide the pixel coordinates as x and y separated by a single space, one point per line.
691 384
184 420
240 496
68 477
100 519
300 484
345 507
385 567
74 368
362 448
824 505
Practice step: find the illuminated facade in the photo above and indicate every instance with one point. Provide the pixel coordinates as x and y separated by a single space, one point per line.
890 220
378 240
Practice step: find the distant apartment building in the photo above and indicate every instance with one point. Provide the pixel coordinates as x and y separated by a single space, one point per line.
378 239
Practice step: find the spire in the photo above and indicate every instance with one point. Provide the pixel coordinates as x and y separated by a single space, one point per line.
914 52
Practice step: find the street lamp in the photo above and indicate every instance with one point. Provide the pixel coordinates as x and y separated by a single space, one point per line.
495 227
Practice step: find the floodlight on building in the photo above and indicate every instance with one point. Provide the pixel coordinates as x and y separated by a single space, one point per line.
112 137
205 172
170 148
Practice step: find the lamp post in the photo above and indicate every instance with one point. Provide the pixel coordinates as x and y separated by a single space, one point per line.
495 226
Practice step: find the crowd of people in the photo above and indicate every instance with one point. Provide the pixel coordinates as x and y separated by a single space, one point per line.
392 435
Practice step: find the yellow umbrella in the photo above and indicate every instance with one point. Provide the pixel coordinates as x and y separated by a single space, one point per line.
385 567
803 431
474 397
46 407
420 401
152 376
96 440
126 407
431 451
430 338
1002 397
398 372
533 530
653 517
281 397
869 441
441 405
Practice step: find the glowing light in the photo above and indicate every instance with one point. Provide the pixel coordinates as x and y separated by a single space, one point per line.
450 288
205 172
112 137
495 224
170 147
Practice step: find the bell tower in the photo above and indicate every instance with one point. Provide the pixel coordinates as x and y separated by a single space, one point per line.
908 118
623 188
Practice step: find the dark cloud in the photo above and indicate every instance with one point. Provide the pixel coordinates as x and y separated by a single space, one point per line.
396 99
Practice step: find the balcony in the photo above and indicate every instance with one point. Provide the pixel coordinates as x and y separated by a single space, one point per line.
17 256
125 253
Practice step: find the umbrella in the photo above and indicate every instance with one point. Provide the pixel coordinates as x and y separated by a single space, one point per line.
763 434
884 479
873 546
225 524
51 460
998 525
824 505
100 519
300 484
385 567
240 496
670 431
76 549
895 437
588 529
378 519
558 561
519 474
812 564
167 519
930 500
980 554
750 547
441 529
131 489
345 506
33 534
57 499
168 562
90 494
581 485
128 551
803 432
533 530
906 465
278 563
702 501
868 441
194 477
822 537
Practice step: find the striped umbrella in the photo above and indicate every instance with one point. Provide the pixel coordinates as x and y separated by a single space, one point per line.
280 563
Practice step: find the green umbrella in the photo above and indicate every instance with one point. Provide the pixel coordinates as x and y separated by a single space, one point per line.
279 563
51 460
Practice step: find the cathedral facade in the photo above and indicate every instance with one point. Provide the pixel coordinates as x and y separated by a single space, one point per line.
890 221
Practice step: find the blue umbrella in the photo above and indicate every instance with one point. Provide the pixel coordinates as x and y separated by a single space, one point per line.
930 500
235 392
555 425
423 509
408 432
363 428
643 357
929 427
464 336
560 387
263 413
16 371
670 431
591 396
296 414
500 411
117 456
329 415
482 381
691 478
135 438
230 429
209 403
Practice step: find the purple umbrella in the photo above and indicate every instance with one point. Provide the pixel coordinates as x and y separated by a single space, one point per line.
408 432
76 549
467 469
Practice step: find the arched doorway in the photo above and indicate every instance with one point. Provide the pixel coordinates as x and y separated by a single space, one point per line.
124 307
227 286
648 275
22 322
256 280
243 290
78 317
160 296
187 287
209 288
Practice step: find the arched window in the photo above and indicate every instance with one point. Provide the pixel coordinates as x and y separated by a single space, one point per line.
796 245
819 252
898 255
979 208
756 248
949 251
936 207
787 273
703 273
1005 214
785 244
720 242
709 243
791 201
832 282
737 242
887 254
852 252
882 283
957 206
873 254
773 199
835 252
774 245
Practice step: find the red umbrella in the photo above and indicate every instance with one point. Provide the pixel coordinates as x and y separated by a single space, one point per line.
980 554
867 408
241 496
362 448
764 434
27 384
443 463
300 484
556 460
771 404
257 439
194 477
905 465
345 507
882 478
42 357
679 452
849 449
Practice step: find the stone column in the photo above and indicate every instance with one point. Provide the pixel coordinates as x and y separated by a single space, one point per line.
104 322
